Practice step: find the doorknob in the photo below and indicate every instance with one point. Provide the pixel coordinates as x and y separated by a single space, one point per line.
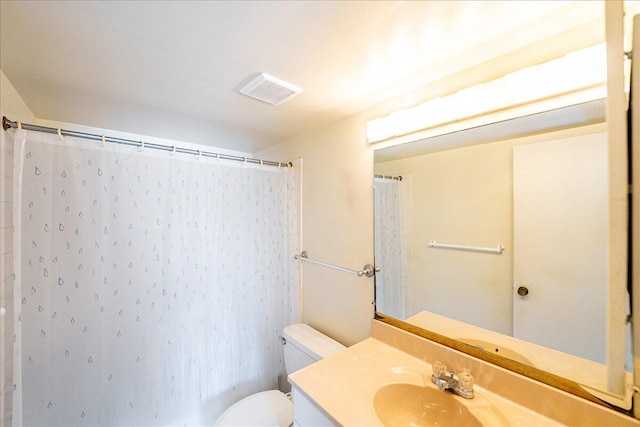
523 291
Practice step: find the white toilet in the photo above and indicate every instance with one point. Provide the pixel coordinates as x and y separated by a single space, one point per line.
303 346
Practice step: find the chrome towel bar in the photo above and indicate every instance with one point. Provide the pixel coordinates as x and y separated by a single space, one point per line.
368 270
499 250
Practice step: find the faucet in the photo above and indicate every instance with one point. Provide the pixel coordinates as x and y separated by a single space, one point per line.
462 386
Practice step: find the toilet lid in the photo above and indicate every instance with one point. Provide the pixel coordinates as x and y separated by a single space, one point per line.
268 408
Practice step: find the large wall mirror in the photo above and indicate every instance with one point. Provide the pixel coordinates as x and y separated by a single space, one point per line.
500 236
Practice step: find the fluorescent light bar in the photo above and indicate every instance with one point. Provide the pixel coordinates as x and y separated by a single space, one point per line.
574 72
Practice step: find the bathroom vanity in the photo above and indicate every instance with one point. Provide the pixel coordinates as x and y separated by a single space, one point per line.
385 380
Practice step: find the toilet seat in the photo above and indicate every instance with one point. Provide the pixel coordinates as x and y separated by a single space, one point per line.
268 408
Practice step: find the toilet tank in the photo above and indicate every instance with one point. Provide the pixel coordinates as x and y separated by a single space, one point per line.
304 346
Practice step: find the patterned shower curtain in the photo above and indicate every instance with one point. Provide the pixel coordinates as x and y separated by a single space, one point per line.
152 287
388 248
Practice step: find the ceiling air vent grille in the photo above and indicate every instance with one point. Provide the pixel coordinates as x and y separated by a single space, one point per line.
269 89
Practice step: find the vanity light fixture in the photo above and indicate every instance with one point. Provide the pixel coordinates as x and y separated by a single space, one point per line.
576 77
269 89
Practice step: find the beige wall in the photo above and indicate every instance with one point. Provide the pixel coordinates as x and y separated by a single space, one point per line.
13 107
337 225
465 197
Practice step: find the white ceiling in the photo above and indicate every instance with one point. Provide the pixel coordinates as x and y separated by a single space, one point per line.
173 69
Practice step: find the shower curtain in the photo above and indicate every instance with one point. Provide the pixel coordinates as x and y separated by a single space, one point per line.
390 292
152 287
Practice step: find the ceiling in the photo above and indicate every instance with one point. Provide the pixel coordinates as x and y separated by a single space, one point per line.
173 69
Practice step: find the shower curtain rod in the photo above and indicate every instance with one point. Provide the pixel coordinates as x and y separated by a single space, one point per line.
6 124
399 177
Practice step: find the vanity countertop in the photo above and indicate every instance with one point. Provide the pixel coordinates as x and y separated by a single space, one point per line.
344 385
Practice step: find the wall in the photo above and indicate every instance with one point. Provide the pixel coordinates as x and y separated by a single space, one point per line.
12 106
465 196
337 225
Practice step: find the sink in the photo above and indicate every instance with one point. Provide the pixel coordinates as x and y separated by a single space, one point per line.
497 349
413 405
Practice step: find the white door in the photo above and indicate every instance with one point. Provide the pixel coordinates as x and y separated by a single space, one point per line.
560 244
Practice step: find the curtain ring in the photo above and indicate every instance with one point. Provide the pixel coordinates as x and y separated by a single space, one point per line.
141 148
218 156
261 163
19 125
60 134
199 154
174 150
245 160
104 142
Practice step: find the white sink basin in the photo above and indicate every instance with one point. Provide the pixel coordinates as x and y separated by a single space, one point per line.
412 405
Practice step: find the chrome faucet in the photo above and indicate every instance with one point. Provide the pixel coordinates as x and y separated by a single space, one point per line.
462 386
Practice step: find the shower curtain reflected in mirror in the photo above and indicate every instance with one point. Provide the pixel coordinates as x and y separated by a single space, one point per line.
152 288
392 245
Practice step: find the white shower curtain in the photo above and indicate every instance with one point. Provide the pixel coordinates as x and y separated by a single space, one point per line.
152 287
390 298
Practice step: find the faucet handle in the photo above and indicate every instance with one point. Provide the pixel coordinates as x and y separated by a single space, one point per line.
439 369
465 381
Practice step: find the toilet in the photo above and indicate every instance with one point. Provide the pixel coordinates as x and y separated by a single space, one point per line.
303 346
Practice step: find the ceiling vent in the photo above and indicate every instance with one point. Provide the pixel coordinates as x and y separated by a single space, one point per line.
269 89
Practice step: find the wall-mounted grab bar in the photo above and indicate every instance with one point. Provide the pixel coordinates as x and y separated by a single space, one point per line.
368 270
499 250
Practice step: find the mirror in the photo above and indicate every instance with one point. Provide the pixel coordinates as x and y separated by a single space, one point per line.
488 196
523 185
523 194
